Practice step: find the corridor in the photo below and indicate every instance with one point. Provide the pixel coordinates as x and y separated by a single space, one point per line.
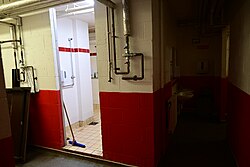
199 141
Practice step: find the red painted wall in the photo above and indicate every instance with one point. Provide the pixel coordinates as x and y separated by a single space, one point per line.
128 127
134 126
161 113
239 124
6 153
46 125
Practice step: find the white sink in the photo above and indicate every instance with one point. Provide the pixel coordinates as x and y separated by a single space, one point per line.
185 95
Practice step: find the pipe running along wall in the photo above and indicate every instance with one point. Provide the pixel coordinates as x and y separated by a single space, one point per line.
72 67
20 66
17 8
127 33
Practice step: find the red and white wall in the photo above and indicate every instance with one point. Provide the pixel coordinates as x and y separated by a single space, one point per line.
127 107
193 49
46 122
164 42
239 83
133 112
94 69
78 98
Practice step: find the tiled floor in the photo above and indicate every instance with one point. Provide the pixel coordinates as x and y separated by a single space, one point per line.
89 135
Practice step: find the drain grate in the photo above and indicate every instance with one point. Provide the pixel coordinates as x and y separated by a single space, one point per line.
93 123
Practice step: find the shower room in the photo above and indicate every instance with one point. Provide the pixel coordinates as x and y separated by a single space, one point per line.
75 34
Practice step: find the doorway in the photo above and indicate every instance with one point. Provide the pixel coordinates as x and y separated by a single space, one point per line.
75 31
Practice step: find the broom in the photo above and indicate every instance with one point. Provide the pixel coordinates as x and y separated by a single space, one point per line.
73 142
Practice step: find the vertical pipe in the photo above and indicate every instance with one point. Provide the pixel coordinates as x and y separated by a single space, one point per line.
114 46
14 38
109 50
19 26
0 52
114 36
126 21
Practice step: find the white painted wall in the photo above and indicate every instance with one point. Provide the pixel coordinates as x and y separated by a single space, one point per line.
141 41
84 68
93 59
78 98
239 62
38 51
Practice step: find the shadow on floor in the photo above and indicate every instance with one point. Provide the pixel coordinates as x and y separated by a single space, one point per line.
44 158
199 141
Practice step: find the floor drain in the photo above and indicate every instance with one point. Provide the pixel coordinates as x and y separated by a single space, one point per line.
93 123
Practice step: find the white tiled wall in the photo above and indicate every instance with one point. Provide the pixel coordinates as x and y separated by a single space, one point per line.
239 68
79 97
141 41
94 69
38 50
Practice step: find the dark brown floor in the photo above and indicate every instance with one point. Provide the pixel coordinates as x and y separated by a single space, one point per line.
199 141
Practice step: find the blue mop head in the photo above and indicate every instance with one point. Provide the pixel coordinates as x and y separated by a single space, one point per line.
74 143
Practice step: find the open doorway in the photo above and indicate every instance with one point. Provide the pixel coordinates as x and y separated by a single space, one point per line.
75 31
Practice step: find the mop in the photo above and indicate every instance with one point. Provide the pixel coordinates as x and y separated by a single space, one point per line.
73 142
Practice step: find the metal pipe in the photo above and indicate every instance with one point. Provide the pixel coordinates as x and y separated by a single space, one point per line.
6 23
0 52
20 30
8 41
109 49
14 37
33 76
25 6
114 50
126 21
72 67
108 3
16 4
135 77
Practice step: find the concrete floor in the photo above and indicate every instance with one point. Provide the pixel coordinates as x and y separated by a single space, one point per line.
199 140
44 158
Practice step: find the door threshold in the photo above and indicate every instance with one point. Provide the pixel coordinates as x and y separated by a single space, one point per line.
89 157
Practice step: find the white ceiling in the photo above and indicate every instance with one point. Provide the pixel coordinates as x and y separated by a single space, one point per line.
86 17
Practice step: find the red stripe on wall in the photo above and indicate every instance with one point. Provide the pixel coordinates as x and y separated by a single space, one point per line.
46 124
80 50
93 54
6 153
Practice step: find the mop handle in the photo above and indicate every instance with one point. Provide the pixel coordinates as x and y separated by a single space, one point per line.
68 121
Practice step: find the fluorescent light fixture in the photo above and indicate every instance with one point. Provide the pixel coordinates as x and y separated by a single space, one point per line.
89 10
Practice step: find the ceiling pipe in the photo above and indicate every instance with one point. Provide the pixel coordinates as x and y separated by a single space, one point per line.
108 3
26 6
17 4
6 23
